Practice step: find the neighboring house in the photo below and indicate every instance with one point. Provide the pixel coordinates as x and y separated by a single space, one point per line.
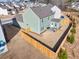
7 19
3 11
75 5
57 12
56 19
36 18
3 46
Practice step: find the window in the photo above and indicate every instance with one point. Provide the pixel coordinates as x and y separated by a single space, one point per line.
52 23
48 17
55 24
42 20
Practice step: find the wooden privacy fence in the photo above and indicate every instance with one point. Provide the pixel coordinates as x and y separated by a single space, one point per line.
46 51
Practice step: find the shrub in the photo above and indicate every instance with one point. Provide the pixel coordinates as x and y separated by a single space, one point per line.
71 38
68 38
73 30
62 54
74 25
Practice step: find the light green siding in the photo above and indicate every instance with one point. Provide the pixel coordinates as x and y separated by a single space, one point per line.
46 20
45 23
31 20
22 25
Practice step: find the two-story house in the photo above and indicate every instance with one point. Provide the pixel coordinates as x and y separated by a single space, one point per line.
36 18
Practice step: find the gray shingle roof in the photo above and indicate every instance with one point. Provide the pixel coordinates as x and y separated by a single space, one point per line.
56 20
43 12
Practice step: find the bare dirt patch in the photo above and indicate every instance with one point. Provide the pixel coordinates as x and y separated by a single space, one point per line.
73 49
20 49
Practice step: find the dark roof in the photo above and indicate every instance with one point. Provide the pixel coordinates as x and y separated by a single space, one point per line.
44 11
4 7
56 20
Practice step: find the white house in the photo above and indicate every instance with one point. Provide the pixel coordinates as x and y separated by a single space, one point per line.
3 11
57 12
3 46
75 5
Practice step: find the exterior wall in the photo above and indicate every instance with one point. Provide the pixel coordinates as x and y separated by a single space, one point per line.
2 37
58 25
6 21
55 25
21 24
45 22
3 48
30 21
